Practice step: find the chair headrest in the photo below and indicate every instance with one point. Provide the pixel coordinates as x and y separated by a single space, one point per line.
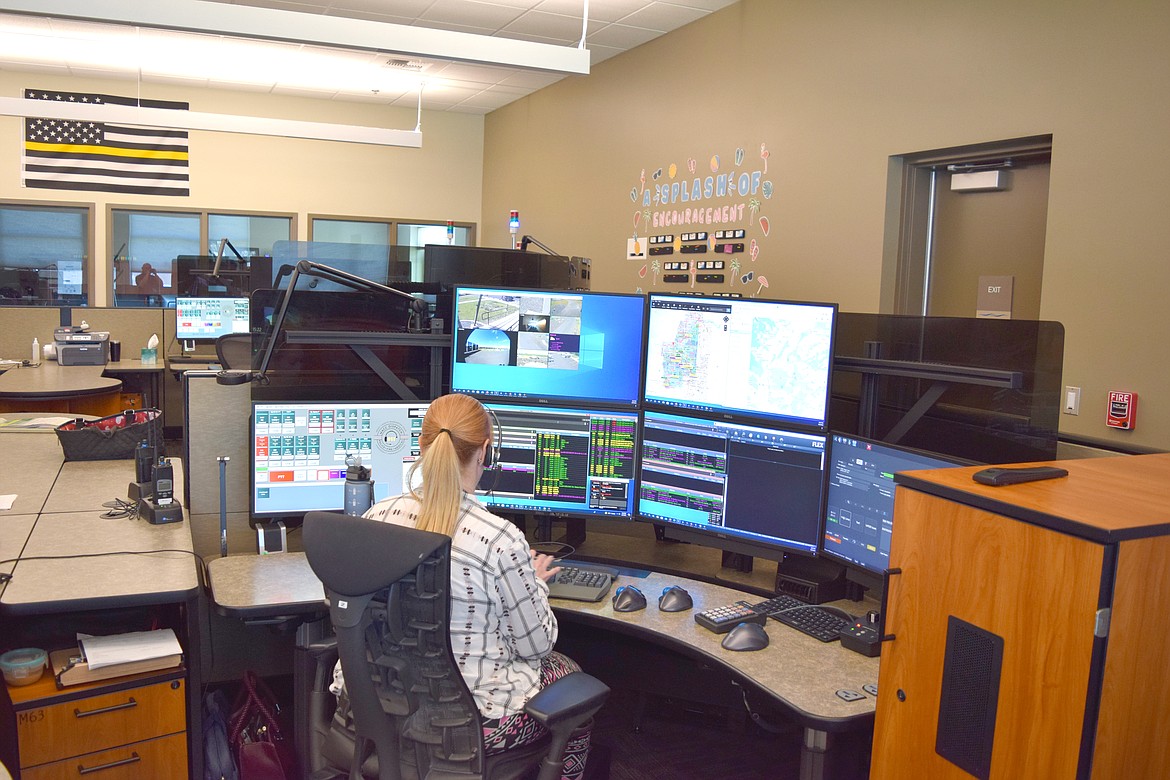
354 556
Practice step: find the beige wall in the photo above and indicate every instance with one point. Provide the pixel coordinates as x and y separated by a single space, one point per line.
442 180
835 88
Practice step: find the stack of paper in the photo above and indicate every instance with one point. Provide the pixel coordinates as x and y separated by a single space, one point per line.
103 657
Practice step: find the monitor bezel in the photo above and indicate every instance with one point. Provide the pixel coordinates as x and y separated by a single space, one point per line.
627 404
735 413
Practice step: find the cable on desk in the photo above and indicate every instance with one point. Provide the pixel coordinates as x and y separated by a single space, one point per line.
563 549
203 576
119 508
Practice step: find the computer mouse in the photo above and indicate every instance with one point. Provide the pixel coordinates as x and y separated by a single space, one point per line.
675 599
627 598
746 636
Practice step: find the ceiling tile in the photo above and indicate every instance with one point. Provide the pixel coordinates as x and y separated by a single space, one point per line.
622 37
662 17
468 12
599 10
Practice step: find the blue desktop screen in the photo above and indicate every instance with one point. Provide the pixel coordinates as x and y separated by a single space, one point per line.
544 346
737 357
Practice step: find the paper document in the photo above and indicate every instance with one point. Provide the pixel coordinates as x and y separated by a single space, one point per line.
102 651
7 501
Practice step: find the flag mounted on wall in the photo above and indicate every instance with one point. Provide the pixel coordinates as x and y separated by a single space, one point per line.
64 154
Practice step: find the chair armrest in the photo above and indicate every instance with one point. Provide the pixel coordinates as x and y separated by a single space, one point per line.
573 698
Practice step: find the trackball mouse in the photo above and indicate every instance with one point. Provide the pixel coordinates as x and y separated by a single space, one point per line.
675 599
746 636
627 598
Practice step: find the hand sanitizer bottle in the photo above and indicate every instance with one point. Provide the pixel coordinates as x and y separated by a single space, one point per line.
36 350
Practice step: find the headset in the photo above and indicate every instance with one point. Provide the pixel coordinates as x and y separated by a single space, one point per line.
491 459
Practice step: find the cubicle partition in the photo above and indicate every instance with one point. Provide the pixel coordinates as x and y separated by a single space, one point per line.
19 325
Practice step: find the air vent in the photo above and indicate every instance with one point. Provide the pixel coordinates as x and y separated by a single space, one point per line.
411 66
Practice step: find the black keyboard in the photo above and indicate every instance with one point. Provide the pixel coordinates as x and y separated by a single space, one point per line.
192 358
581 581
817 622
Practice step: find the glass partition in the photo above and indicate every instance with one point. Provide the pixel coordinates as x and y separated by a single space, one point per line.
983 390
43 253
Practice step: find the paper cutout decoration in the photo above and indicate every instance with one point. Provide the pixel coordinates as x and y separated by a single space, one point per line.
765 226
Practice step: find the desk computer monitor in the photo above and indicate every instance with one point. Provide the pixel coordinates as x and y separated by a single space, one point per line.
540 346
299 451
859 504
563 461
737 358
206 319
742 488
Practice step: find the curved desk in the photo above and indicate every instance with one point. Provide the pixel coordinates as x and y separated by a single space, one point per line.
797 673
51 387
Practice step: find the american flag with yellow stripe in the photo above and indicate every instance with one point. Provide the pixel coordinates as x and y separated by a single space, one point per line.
64 154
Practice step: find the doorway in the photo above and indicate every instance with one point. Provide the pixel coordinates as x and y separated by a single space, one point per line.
942 237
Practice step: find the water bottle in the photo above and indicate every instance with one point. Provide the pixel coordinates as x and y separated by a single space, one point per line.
359 488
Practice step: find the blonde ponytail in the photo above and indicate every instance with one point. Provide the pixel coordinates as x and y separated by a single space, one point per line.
453 432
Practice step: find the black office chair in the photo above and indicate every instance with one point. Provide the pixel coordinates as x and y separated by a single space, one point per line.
234 351
389 601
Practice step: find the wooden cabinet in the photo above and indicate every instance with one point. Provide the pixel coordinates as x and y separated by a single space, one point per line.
1023 617
126 727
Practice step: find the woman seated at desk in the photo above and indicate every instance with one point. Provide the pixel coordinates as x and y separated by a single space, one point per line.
504 661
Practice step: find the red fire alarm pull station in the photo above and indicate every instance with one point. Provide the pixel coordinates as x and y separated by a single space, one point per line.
1122 410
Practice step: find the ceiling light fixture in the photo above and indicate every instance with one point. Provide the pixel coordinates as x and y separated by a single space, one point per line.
222 123
278 25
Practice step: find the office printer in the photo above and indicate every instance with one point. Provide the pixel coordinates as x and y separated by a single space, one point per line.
76 347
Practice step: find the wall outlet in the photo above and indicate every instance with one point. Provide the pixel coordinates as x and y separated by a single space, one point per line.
1072 400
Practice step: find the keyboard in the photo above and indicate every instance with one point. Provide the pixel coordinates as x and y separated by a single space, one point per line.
192 358
817 622
581 581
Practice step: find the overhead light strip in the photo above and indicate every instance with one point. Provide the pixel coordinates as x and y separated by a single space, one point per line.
279 25
199 120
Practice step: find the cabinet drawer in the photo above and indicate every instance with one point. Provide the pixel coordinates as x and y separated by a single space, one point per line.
102 721
157 758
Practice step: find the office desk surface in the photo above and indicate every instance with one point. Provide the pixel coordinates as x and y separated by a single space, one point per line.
69 524
121 580
53 380
259 586
84 485
29 470
800 672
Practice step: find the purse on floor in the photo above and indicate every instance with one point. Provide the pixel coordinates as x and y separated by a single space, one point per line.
264 749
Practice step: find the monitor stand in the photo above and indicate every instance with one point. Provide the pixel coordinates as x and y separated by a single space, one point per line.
188 345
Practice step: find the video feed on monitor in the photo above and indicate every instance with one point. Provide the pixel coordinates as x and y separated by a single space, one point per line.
548 346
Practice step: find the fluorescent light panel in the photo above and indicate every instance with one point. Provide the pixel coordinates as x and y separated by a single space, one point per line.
316 29
198 120
148 52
